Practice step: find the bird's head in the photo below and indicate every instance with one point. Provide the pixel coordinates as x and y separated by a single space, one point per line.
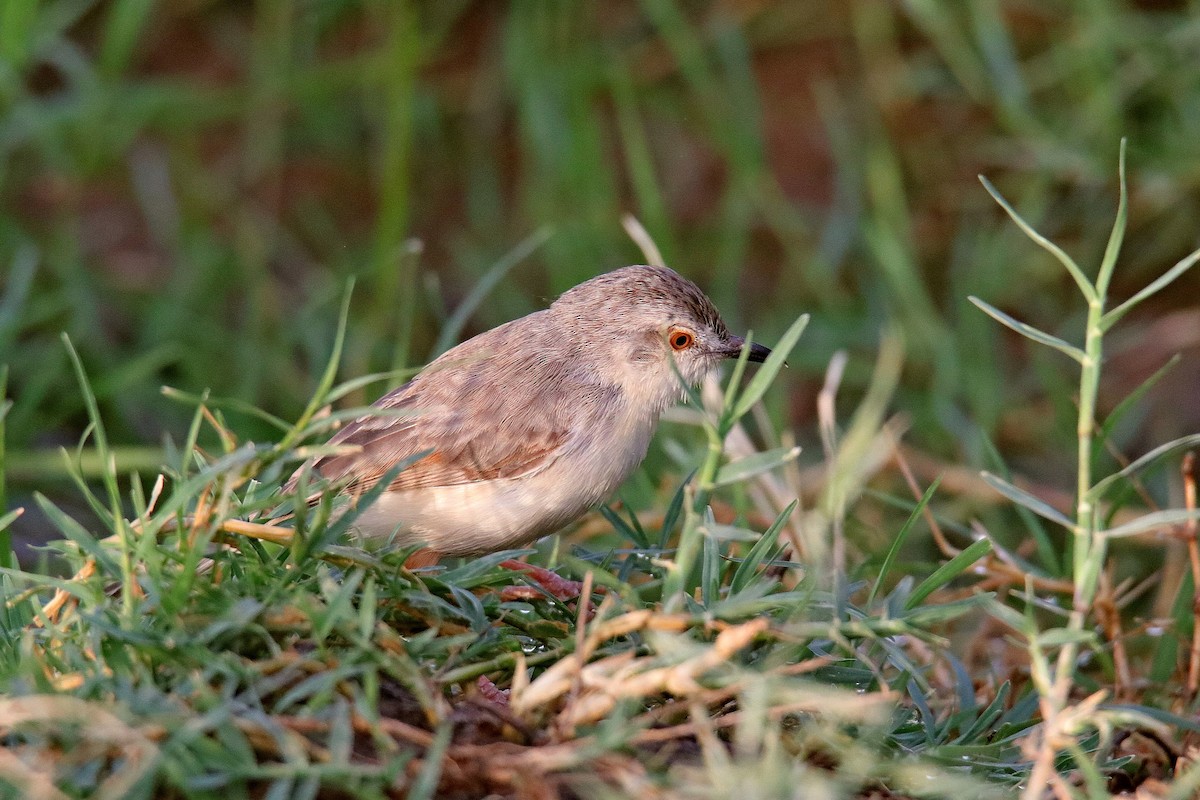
654 327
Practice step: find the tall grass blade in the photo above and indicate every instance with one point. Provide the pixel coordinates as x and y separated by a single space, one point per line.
1024 498
747 467
483 287
1041 337
1085 286
1142 462
98 432
948 572
899 539
1163 281
627 531
230 403
17 288
1133 398
735 381
674 512
1115 239
6 559
1152 521
354 384
769 541
710 572
72 530
327 378
126 18
766 373
1048 550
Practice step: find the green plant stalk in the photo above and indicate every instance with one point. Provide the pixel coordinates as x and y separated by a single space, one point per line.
1087 558
690 537
706 478
5 536
1090 544
395 269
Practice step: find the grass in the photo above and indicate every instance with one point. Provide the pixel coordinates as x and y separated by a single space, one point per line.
312 666
187 191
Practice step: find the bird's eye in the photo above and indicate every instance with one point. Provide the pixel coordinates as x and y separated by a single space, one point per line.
680 339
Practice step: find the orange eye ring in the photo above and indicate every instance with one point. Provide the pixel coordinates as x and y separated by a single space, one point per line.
680 339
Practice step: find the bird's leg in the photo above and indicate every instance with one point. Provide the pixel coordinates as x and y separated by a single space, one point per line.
422 558
553 583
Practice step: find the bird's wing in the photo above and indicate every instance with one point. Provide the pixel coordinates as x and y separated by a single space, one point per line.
458 451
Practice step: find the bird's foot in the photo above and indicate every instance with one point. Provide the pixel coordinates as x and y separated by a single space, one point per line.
555 584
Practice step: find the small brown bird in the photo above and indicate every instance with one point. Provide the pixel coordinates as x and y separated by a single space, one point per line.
532 423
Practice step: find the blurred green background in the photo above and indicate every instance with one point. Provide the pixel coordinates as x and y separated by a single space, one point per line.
186 187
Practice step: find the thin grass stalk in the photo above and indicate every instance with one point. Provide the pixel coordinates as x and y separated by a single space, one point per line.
6 559
690 536
395 267
1087 557
328 377
109 477
1190 531
1089 542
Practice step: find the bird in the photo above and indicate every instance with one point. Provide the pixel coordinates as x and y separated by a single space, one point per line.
522 429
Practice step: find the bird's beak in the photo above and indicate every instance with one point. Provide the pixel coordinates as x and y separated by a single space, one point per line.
758 353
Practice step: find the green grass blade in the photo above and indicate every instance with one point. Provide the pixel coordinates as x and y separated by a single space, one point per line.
735 381
72 530
674 512
1151 521
109 479
639 161
1048 551
746 571
1117 237
354 384
17 290
470 304
747 467
900 538
93 409
1132 399
635 535
327 378
18 22
1024 498
1094 784
5 536
770 368
1142 462
230 403
8 559
1163 281
948 572
1085 286
1028 331
710 572
126 20
984 723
